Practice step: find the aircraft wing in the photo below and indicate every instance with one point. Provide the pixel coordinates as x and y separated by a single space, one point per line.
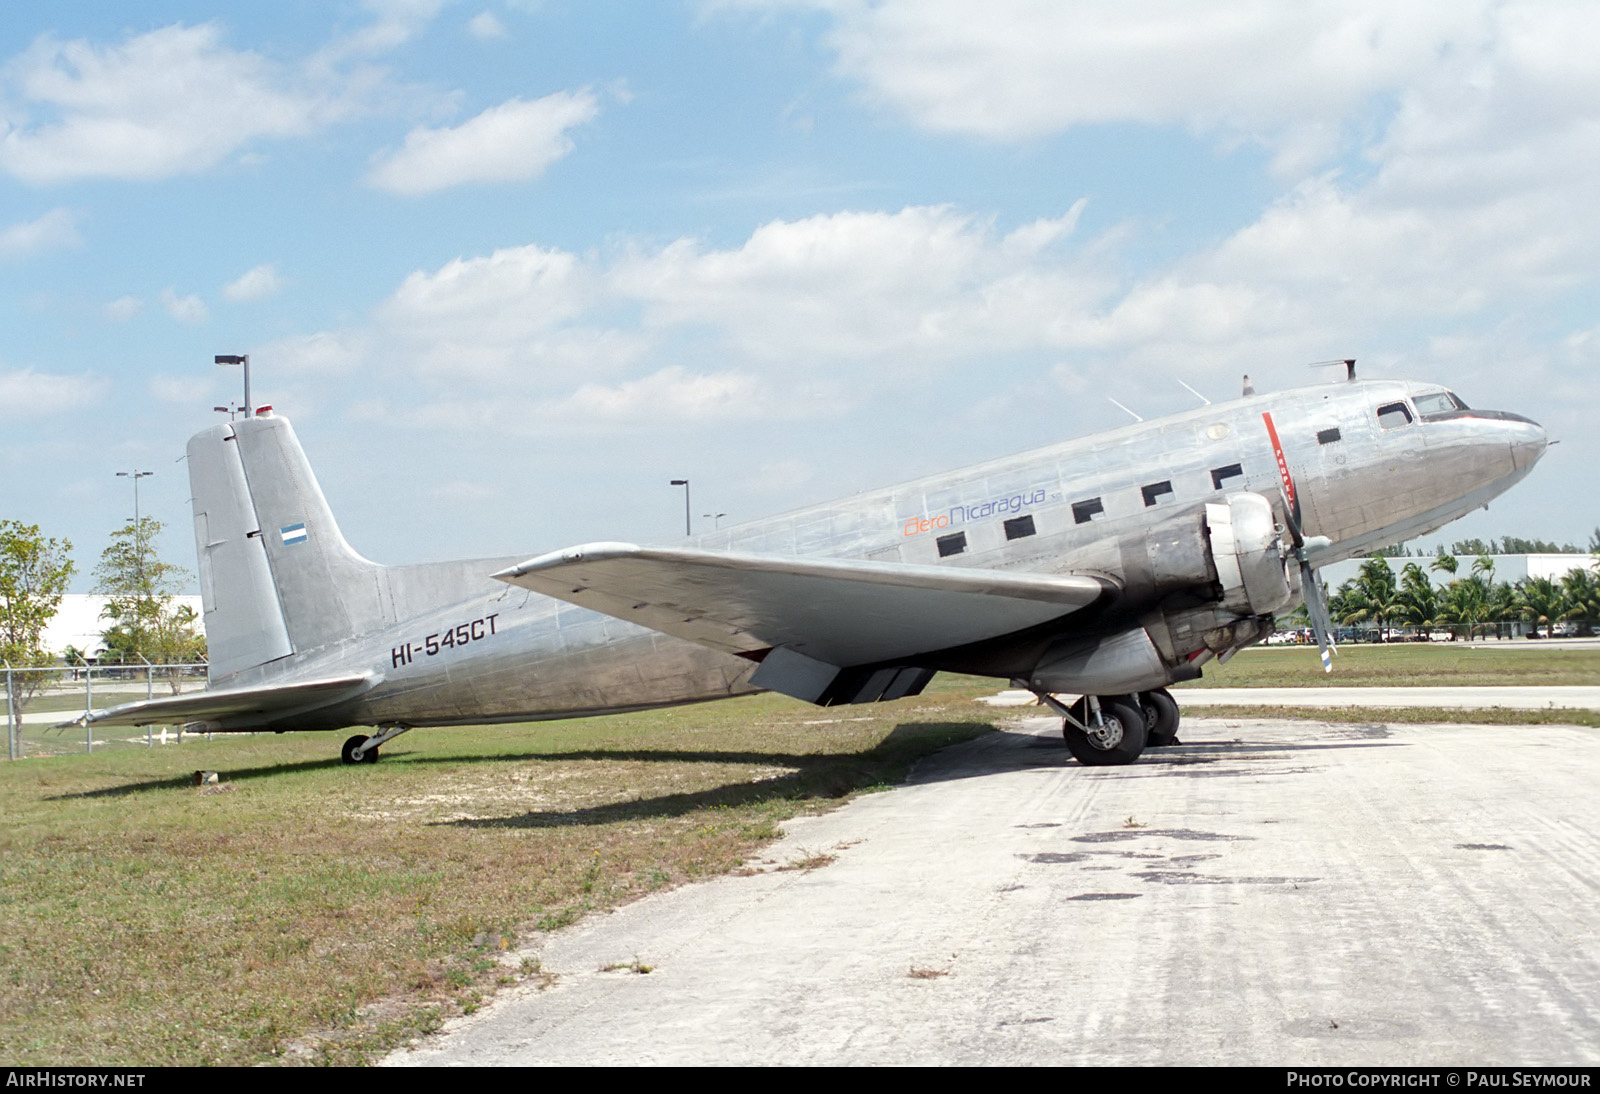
816 616
212 705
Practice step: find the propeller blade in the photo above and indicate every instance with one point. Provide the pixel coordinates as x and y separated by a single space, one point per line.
1316 610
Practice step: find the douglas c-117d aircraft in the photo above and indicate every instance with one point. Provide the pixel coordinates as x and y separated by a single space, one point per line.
1106 567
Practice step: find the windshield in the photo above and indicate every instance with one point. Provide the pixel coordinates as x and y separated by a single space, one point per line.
1437 403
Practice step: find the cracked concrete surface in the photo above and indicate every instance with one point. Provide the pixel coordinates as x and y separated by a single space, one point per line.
1266 893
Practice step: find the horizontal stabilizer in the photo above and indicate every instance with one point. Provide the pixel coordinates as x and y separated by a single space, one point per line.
838 612
240 706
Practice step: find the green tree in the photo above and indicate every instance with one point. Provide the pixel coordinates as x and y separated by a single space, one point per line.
1465 605
1417 602
1539 601
1581 591
34 572
1373 596
1502 603
139 588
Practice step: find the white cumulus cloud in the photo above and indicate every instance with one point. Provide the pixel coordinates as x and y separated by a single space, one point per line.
171 101
516 140
486 26
185 309
123 308
27 392
1020 69
254 284
53 231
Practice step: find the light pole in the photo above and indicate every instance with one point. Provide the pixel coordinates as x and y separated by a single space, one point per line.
231 410
685 484
716 519
138 524
239 359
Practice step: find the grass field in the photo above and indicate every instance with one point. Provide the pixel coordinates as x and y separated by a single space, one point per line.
1409 664
307 909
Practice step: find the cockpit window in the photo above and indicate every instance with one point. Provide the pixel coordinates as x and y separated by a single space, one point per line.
1436 404
1393 415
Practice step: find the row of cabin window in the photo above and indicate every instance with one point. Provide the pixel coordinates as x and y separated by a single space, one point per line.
1156 493
1085 511
1016 528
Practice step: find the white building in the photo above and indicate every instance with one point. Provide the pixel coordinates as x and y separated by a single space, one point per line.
78 622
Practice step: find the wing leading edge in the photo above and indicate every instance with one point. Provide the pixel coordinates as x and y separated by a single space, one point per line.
825 630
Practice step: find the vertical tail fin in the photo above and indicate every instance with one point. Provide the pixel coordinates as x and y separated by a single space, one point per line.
276 576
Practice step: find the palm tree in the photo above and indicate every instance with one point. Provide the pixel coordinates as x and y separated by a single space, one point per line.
1417 602
1371 595
1465 603
1539 601
1581 590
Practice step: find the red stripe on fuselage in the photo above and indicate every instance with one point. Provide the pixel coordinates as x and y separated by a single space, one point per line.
1283 464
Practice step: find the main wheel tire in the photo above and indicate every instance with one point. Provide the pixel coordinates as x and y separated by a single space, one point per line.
1118 740
348 752
1160 718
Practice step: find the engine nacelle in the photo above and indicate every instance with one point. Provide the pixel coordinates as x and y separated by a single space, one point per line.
1252 561
1235 558
1114 665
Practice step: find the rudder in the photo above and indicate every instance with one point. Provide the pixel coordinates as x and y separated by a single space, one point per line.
268 544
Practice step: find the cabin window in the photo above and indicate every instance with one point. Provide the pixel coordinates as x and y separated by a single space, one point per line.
1222 475
1085 511
1328 436
952 545
1018 527
1393 415
1157 493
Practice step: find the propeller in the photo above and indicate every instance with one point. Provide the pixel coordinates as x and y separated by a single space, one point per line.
1310 584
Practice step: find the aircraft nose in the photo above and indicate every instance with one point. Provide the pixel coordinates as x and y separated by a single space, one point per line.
1527 444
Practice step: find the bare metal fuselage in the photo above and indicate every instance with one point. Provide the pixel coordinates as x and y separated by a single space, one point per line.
486 651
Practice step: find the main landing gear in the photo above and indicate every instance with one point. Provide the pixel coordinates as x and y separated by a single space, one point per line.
364 750
1102 730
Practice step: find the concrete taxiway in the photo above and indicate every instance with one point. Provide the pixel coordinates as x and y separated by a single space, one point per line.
1455 698
1269 892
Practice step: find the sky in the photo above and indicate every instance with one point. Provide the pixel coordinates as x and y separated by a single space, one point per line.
511 267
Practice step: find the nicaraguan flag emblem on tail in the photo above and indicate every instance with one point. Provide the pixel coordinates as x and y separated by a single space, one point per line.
292 534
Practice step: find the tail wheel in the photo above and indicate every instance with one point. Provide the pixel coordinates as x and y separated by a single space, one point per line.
1118 739
1160 718
348 752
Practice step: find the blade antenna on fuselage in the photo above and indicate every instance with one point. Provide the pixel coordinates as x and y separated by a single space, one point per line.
1124 409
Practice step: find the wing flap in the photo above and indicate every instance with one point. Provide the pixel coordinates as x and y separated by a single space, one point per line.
836 611
249 703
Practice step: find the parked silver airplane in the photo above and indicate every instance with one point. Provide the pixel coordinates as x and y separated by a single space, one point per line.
1106 567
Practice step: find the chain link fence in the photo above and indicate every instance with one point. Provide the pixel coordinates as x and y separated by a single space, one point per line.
38 700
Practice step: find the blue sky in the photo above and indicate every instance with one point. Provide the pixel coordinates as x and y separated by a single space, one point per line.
512 266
